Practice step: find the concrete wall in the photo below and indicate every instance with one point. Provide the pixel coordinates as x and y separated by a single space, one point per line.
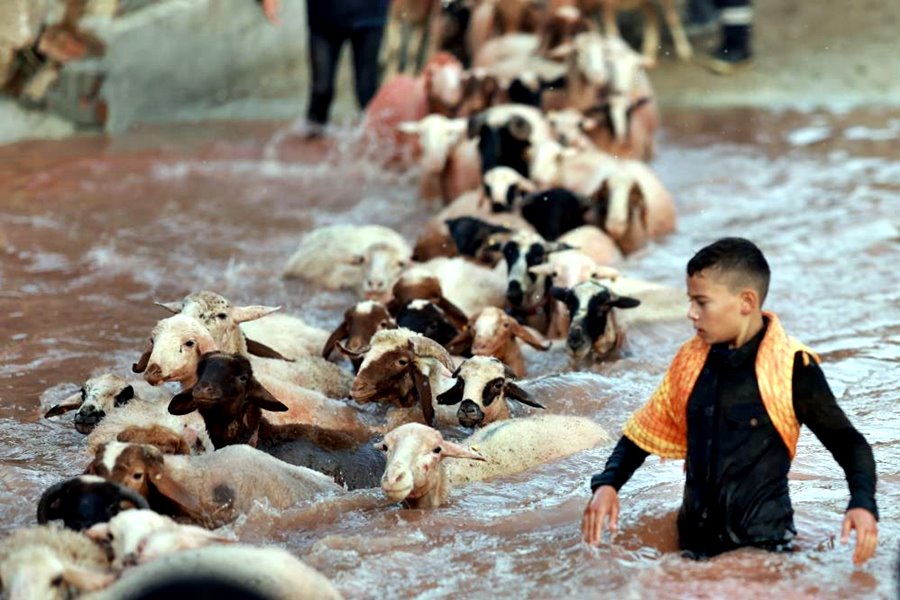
199 59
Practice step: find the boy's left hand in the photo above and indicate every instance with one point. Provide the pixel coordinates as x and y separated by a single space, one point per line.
866 528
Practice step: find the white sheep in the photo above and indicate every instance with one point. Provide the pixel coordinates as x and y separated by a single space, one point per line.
212 489
243 329
177 343
102 395
49 562
492 332
417 475
364 258
450 162
139 536
269 572
174 354
467 285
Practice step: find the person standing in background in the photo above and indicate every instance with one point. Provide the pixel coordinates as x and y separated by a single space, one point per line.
331 23
736 19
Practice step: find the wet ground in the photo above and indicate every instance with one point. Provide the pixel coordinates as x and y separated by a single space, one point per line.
93 230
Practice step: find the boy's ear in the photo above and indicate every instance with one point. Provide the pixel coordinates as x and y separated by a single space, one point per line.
749 301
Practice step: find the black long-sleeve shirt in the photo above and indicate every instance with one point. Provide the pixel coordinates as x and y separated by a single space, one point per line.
736 487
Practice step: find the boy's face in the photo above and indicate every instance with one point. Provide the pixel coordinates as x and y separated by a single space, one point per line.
716 312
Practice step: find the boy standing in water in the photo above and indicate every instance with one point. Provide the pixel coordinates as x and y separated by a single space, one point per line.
731 405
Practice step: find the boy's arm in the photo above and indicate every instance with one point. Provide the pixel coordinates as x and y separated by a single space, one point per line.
622 463
816 408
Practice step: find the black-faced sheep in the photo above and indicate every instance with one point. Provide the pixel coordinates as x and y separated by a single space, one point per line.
86 500
484 386
229 399
101 395
593 322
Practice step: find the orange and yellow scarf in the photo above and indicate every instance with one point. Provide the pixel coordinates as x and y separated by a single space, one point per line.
660 426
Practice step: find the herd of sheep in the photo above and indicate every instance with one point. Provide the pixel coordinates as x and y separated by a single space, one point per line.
545 192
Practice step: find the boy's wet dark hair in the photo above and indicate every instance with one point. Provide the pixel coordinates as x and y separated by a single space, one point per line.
737 257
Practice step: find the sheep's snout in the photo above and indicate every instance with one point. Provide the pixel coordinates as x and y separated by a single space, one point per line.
469 414
153 375
514 293
87 418
397 483
205 390
578 342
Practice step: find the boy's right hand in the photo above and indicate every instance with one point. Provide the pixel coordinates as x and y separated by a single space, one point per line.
604 503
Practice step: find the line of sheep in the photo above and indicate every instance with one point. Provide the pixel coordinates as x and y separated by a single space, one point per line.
528 249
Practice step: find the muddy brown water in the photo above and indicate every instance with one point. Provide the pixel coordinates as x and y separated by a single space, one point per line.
93 230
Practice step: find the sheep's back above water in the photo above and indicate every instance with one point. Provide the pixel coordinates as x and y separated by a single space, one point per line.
516 445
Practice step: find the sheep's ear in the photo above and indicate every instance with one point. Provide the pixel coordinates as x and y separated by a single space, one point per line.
342 331
542 269
423 391
167 486
454 395
514 392
183 403
242 314
529 336
461 343
259 349
453 312
473 127
71 403
453 450
262 398
98 532
172 307
625 302
141 365
559 293
86 580
562 51
411 127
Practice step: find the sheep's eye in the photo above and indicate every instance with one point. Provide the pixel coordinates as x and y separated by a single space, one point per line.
401 263
189 343
383 325
506 325
437 450
554 274
57 581
402 362
242 378
222 316
137 476
384 448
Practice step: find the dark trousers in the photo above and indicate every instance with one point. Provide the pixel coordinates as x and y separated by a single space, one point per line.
324 51
737 20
